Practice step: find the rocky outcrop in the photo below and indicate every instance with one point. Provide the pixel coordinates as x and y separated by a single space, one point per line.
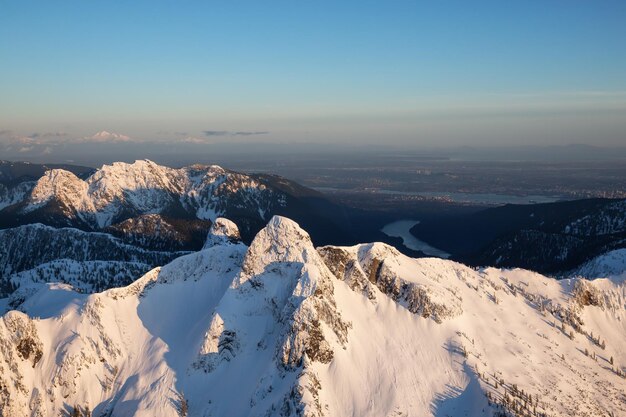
586 294
373 265
222 231
345 266
19 345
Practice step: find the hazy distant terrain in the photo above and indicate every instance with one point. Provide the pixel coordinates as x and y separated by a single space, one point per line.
422 175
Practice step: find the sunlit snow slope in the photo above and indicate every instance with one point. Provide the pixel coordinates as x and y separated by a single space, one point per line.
281 328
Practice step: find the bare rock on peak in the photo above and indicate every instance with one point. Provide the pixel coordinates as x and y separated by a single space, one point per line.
222 231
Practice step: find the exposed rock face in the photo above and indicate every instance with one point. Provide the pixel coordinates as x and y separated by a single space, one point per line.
20 347
586 294
365 266
24 336
222 231
345 266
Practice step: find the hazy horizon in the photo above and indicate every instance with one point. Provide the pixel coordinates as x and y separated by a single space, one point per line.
264 156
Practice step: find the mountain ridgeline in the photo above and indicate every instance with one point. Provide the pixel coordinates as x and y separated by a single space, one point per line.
38 248
118 197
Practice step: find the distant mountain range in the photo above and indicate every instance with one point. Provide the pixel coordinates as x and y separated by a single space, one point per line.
138 201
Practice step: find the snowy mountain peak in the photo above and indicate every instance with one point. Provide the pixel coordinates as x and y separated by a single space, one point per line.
222 231
281 241
206 168
61 185
104 136
285 234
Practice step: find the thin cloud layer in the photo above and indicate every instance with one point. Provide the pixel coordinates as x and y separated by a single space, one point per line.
37 141
45 143
229 133
38 135
8 137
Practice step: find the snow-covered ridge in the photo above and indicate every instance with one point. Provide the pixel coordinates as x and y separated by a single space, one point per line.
48 251
609 265
13 195
145 187
281 328
85 276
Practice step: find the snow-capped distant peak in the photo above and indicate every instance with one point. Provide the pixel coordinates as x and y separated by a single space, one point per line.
104 136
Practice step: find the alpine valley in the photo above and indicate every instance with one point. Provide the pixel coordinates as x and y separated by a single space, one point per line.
142 290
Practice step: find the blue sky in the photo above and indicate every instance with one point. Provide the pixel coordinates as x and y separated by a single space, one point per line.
406 73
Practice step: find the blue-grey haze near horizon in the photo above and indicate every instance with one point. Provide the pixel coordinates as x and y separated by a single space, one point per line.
403 73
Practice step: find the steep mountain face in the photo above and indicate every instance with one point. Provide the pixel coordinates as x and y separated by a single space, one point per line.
34 246
280 328
12 173
17 179
553 237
